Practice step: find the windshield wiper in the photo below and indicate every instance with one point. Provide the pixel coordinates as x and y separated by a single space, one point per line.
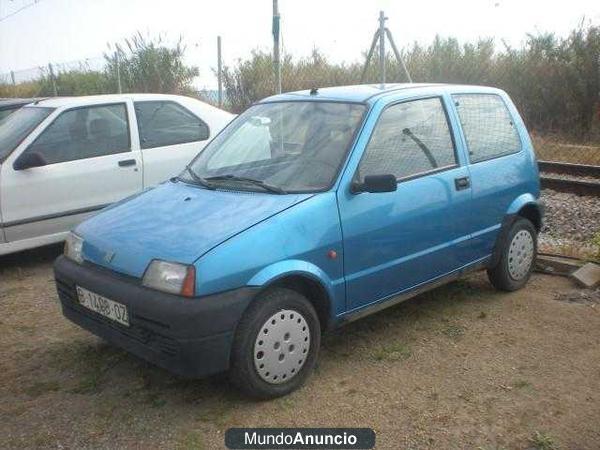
198 180
422 146
262 184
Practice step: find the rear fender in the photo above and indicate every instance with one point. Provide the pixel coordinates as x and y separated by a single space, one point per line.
512 214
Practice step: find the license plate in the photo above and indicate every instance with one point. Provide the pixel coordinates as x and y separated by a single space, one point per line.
103 306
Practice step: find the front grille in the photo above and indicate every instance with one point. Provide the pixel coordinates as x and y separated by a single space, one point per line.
135 331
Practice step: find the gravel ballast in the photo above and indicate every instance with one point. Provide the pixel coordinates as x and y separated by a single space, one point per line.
571 220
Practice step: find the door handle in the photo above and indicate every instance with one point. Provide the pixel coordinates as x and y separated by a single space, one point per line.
127 163
462 183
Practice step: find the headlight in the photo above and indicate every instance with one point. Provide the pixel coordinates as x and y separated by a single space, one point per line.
170 277
73 246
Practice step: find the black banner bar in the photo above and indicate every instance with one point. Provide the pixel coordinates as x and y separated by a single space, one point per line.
300 438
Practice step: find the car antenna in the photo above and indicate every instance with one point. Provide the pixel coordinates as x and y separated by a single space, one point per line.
314 91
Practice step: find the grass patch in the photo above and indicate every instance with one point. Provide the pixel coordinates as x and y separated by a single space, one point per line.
287 403
92 363
522 384
192 441
396 351
42 387
88 383
218 414
454 331
156 401
543 441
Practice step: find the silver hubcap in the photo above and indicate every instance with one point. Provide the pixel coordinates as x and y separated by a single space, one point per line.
281 346
520 255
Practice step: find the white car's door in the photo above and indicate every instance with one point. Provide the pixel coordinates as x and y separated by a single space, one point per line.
88 164
171 135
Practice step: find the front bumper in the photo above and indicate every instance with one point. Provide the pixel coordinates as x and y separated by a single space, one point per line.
188 336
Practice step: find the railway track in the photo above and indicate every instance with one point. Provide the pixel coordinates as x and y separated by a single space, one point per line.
581 179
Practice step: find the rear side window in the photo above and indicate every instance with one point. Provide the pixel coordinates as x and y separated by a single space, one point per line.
83 133
410 138
162 123
487 125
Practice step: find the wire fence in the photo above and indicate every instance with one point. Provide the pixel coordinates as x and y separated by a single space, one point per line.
559 101
550 110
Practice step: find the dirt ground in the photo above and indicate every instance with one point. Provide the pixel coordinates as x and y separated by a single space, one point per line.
463 366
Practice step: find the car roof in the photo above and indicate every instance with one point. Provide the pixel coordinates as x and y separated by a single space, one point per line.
59 102
10 102
366 92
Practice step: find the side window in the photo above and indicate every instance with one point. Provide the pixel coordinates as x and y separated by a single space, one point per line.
410 138
163 123
83 133
488 126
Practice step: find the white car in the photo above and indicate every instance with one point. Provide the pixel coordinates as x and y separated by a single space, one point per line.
61 159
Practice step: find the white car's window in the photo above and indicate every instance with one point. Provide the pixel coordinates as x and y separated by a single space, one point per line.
409 138
17 126
162 123
488 126
82 133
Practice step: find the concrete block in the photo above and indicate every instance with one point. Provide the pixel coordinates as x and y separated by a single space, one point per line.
587 276
556 265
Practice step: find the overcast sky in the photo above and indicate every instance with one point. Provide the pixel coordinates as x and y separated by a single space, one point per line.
61 31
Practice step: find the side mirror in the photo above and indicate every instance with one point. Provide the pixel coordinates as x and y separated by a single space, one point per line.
376 183
28 160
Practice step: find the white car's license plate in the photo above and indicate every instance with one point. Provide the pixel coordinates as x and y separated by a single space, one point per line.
102 305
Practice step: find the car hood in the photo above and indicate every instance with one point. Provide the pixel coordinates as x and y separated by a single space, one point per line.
173 222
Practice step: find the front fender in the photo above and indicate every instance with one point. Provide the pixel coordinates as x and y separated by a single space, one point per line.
282 269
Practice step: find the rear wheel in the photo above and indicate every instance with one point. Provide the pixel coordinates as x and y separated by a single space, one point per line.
517 259
276 344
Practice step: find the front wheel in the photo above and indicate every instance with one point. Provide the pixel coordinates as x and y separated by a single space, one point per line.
276 344
516 261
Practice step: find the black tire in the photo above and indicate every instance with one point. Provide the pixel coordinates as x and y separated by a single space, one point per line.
243 372
501 275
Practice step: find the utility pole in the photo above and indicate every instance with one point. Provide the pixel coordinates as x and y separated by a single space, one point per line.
380 36
382 20
118 62
276 57
219 74
53 79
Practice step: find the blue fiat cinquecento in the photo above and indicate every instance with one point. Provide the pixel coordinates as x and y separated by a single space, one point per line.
309 210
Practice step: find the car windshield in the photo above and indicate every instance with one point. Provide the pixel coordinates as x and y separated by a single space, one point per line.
15 127
279 147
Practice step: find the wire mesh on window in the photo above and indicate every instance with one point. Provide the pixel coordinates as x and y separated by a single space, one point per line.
410 138
487 125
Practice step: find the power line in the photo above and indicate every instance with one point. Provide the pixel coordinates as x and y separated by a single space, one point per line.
29 5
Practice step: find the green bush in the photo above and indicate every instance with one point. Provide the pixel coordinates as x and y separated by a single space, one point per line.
554 81
149 66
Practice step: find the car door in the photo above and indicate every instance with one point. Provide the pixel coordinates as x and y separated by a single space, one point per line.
395 241
500 170
170 137
88 164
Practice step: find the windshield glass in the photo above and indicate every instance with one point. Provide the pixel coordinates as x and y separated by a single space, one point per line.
15 127
280 147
